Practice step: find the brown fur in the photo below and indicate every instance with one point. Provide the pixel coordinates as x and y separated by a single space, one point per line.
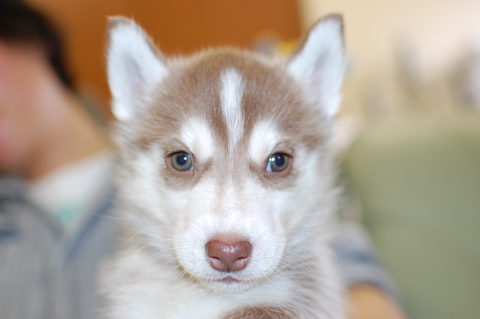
260 313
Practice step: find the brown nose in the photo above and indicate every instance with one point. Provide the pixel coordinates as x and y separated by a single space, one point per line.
228 257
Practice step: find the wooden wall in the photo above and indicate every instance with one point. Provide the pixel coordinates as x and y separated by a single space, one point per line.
177 26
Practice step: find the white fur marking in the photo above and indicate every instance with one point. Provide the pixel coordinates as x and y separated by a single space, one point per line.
197 136
263 140
231 98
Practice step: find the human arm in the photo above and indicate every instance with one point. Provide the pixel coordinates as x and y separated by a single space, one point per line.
371 293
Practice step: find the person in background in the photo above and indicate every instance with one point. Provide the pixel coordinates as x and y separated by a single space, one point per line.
56 194
55 178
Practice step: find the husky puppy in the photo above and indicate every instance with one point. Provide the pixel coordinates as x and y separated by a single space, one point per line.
226 187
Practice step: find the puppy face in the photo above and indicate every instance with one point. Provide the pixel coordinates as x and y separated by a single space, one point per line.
223 152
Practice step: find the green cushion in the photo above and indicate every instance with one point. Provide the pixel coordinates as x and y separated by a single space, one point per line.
419 183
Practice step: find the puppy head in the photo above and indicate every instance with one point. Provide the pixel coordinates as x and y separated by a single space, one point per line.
223 151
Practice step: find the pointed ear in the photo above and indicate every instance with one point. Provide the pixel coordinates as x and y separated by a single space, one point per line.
134 66
318 63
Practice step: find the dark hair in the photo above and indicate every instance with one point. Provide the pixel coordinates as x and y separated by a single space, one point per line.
22 24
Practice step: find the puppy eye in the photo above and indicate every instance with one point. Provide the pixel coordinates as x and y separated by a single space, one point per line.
277 162
181 161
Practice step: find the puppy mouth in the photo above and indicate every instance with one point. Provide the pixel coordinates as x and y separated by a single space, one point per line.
228 280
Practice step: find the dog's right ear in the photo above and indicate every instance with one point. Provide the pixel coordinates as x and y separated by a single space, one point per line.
134 67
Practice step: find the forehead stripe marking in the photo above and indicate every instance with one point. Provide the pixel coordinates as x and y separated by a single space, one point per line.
263 140
197 136
231 94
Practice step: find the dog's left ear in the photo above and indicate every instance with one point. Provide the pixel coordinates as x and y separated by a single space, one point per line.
134 67
318 63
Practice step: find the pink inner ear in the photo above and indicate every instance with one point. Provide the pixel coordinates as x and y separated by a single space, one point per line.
318 74
137 81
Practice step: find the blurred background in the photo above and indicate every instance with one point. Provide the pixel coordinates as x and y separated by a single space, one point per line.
409 129
177 27
399 51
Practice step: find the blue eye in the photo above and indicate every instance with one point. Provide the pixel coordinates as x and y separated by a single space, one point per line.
181 161
277 162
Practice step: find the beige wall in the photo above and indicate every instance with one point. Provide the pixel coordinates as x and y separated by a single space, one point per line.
437 29
434 33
